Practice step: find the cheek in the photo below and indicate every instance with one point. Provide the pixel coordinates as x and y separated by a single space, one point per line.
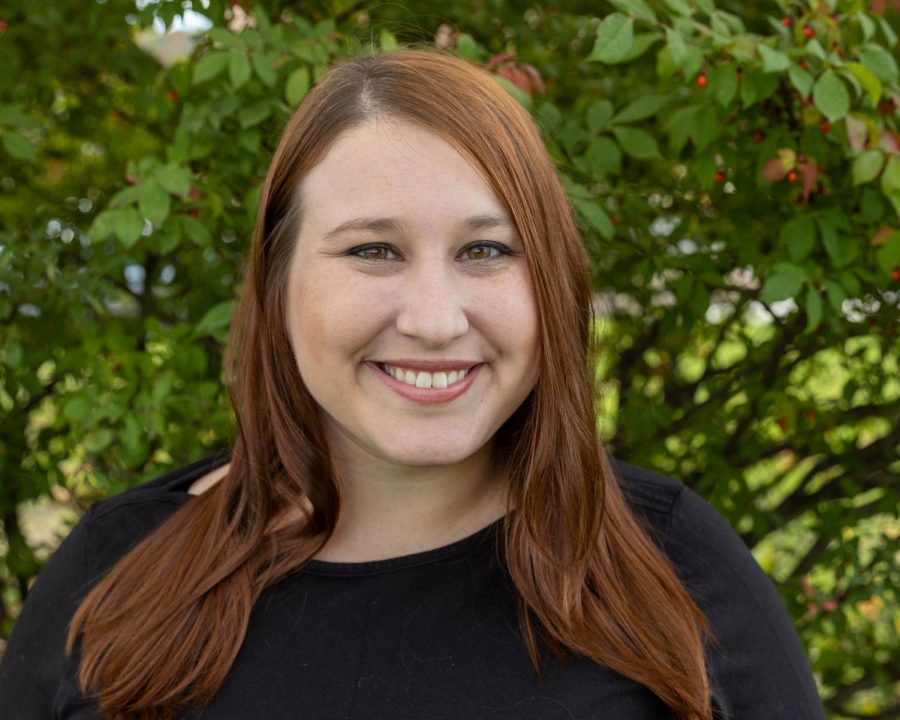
326 323
506 311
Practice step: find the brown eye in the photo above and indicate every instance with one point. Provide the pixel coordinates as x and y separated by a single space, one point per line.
373 252
483 251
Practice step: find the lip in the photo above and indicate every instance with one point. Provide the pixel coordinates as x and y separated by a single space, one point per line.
428 396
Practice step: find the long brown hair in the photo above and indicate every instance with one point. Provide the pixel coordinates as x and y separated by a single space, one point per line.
163 627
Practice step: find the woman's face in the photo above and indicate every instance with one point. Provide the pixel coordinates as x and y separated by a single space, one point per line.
409 304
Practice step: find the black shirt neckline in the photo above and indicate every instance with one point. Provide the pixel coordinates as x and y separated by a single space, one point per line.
179 485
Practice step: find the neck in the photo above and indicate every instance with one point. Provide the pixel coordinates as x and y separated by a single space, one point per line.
389 510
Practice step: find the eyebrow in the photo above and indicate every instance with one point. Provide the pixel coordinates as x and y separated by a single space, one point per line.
386 225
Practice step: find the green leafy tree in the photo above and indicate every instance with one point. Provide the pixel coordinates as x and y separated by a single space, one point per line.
736 168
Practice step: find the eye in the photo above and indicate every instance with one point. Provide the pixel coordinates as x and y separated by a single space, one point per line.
485 251
373 252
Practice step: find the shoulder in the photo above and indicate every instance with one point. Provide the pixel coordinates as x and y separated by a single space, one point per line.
653 497
115 524
34 662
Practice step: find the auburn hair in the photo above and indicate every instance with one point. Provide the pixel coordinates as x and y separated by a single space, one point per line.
162 628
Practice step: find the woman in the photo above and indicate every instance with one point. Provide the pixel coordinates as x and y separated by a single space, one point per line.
417 519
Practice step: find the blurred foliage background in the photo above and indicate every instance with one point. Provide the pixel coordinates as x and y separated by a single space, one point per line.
735 166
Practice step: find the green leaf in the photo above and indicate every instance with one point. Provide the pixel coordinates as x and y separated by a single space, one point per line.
18 146
837 249
176 179
196 231
880 62
830 96
720 28
638 8
255 113
124 223
888 255
239 70
596 216
615 36
679 127
867 24
799 234
296 86
813 309
210 65
599 114
13 354
814 48
97 440
889 35
603 156
223 36
263 66
154 202
637 143
836 295
869 81
387 41
706 127
677 47
723 83
77 408
642 41
126 196
215 319
773 60
168 235
14 116
801 79
890 182
784 282
867 165
642 108
679 7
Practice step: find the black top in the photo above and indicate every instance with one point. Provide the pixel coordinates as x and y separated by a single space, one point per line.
428 636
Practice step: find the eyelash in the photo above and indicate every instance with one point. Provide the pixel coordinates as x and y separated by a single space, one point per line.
500 247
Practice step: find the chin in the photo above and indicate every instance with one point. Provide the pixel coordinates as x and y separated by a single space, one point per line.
429 455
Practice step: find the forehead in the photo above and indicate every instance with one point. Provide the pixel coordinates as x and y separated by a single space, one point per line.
389 166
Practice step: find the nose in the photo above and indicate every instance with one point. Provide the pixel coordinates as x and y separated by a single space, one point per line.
432 309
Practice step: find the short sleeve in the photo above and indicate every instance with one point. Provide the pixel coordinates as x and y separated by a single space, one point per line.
760 672
34 662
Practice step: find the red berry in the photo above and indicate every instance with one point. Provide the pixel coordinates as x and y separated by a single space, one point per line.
4 25
720 176
782 423
193 212
808 31
792 176
615 219
840 52
803 65
701 81
825 126
787 22
173 95
130 179
895 273
810 414
759 136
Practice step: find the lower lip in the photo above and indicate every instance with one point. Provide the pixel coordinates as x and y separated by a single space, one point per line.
427 396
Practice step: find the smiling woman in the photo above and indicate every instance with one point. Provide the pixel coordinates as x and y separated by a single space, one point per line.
417 519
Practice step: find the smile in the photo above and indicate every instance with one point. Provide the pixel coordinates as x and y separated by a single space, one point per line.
439 379
435 386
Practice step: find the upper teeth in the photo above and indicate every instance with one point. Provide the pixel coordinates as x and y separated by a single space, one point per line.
422 379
